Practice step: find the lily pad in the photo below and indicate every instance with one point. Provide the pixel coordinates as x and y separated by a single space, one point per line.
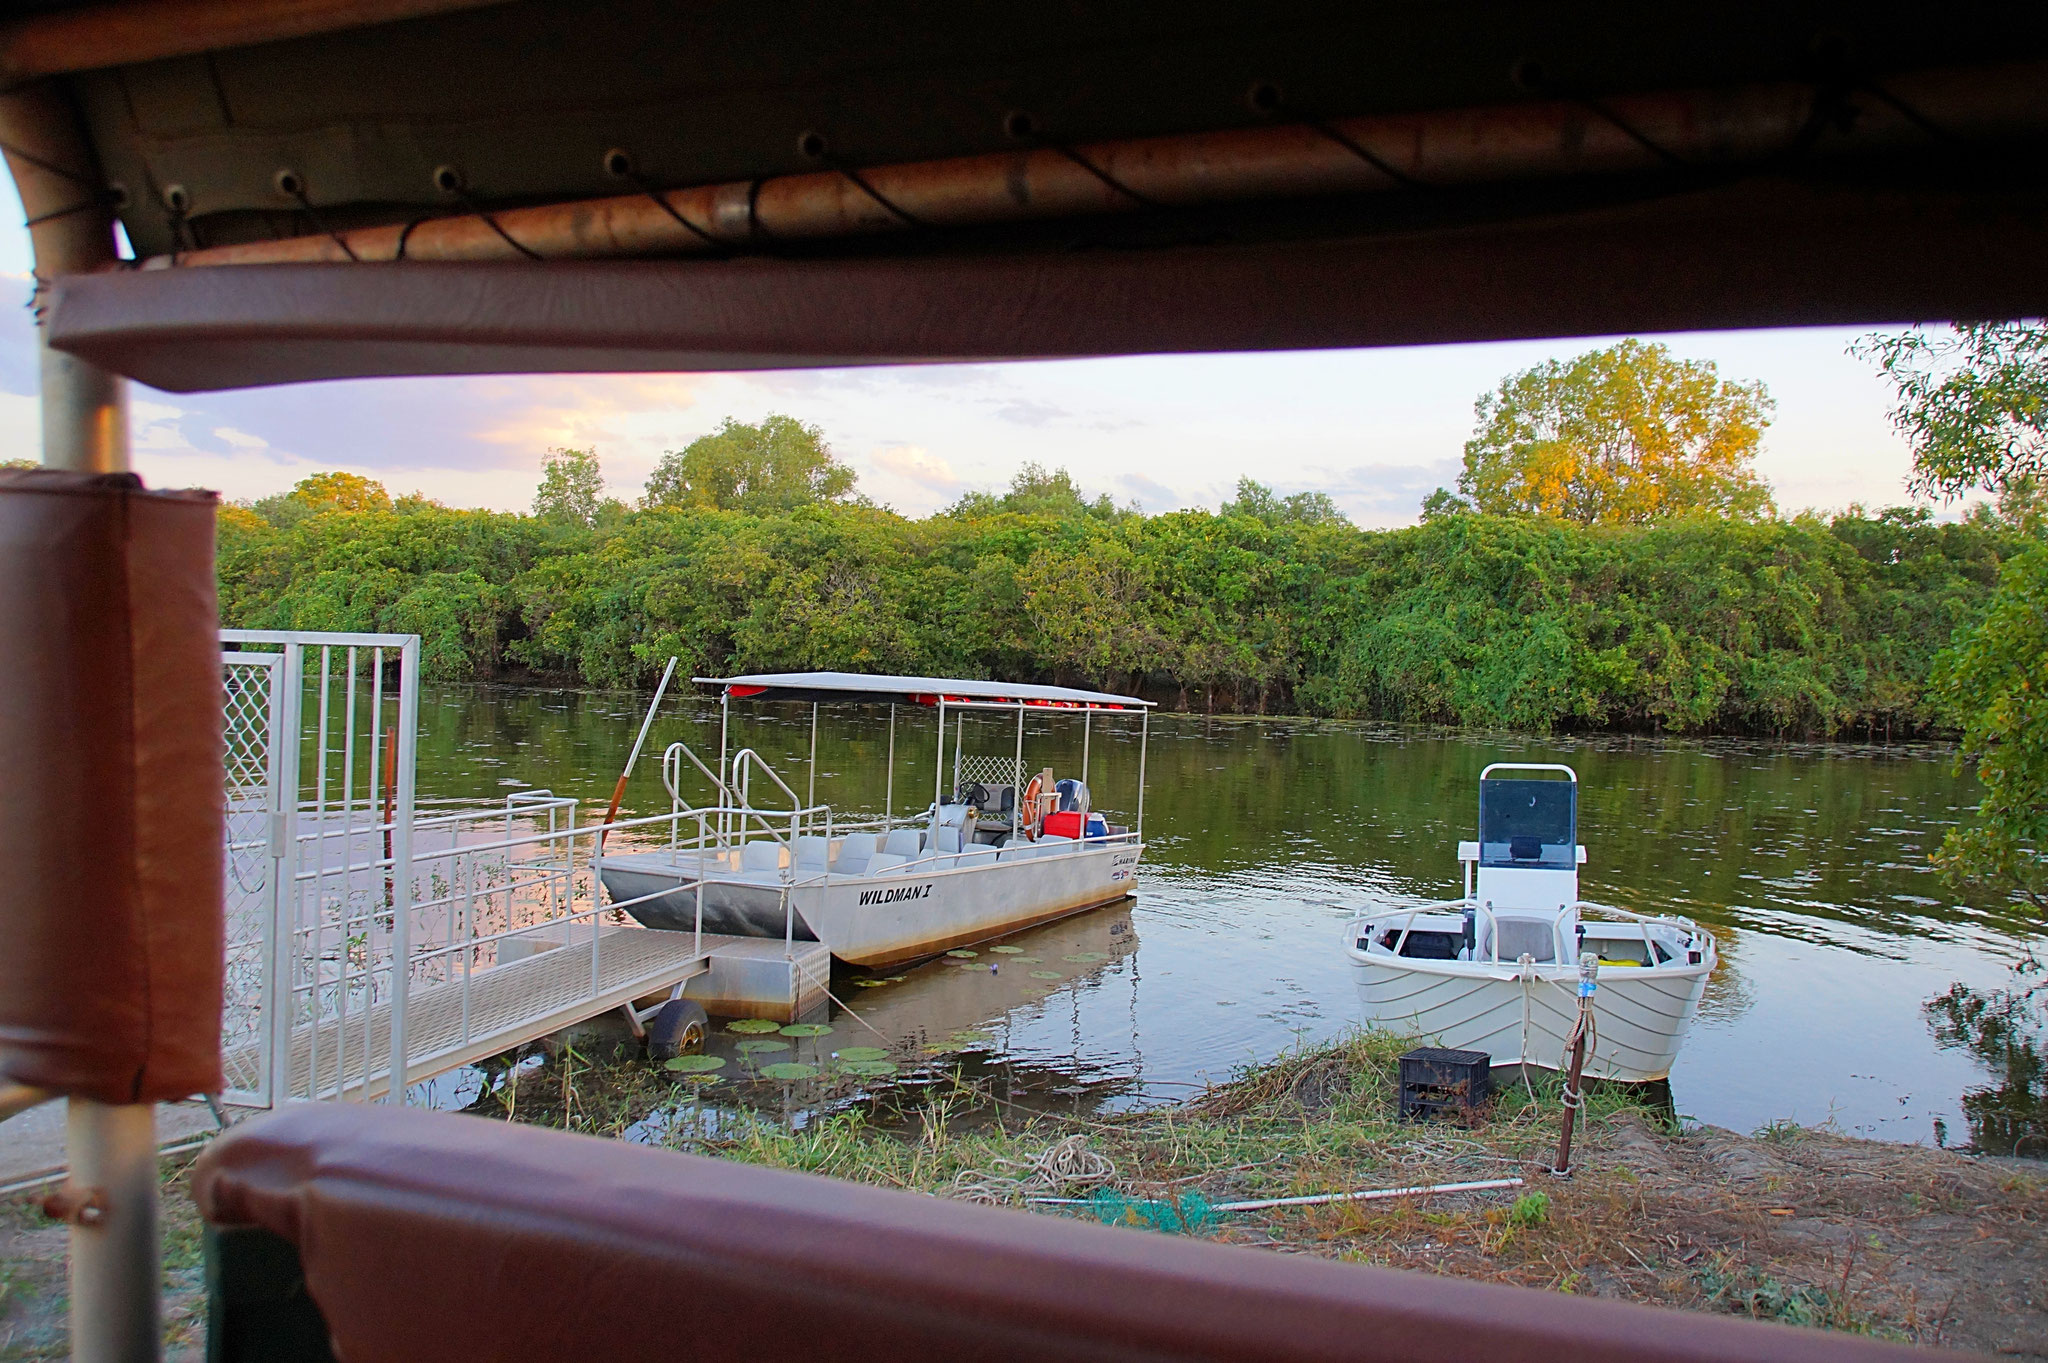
972 1036
945 1048
870 984
807 1029
752 1025
869 1069
754 1045
1007 951
858 1054
893 979
1045 974
700 1080
694 1064
962 954
787 1070
1087 956
1028 960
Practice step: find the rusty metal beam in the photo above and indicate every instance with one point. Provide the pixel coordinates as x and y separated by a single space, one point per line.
101 36
1704 131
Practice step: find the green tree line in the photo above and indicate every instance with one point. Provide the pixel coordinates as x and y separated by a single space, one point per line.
1801 626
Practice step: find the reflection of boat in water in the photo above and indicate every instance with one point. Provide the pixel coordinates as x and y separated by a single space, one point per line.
946 996
1498 970
999 848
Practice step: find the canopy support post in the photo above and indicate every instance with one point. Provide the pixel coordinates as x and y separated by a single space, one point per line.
811 788
939 762
889 781
1144 742
1017 776
1087 723
724 790
116 1269
959 732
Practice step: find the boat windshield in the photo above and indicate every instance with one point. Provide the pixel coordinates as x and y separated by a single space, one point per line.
1528 823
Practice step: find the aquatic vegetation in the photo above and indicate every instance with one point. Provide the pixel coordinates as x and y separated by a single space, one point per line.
694 1064
963 954
807 1029
744 1025
858 1053
788 1070
868 1069
758 1045
1007 951
969 1035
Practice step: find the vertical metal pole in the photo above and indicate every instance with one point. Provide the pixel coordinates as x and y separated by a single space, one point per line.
811 790
959 732
1017 777
889 789
724 794
115 1269
1087 724
116 1264
401 861
939 762
1144 742
284 964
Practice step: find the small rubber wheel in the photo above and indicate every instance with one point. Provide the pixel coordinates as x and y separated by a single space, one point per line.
680 1026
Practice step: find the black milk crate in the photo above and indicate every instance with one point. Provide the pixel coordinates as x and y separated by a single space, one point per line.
1440 1083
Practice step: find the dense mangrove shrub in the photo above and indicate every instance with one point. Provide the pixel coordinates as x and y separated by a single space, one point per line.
1803 626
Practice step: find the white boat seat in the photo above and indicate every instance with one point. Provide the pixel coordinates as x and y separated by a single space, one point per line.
1518 937
883 862
905 843
812 852
764 855
1054 842
946 840
854 850
979 856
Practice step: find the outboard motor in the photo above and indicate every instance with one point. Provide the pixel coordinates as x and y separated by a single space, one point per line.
1070 796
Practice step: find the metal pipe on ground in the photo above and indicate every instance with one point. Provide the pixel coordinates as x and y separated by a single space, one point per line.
1707 131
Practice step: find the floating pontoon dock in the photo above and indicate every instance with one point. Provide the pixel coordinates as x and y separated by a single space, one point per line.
360 927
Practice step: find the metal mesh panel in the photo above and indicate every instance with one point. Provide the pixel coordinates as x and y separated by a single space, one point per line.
997 771
250 684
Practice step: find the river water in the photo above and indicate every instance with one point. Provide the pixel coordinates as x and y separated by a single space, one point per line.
1808 862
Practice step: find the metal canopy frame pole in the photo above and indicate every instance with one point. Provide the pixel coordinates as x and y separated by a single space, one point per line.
889 780
959 733
811 790
724 794
1144 742
1017 779
1087 724
939 762
401 868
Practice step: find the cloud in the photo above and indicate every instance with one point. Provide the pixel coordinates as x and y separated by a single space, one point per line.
915 463
1386 494
1152 496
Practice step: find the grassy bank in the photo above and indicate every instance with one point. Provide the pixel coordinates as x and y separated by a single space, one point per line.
1792 1224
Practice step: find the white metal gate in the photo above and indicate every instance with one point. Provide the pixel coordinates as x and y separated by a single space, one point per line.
320 768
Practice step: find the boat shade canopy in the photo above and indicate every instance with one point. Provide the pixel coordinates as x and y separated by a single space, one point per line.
862 686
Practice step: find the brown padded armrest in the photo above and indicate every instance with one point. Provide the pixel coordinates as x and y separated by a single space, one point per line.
436 1237
110 788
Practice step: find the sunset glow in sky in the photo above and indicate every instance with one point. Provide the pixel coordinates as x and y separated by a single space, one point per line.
1375 429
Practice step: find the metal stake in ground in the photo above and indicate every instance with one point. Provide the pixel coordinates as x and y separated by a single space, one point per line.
1582 1040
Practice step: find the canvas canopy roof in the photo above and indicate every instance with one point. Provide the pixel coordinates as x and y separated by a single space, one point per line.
862 686
332 188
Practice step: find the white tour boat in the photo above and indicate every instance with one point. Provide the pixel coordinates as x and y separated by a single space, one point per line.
1498 971
1000 847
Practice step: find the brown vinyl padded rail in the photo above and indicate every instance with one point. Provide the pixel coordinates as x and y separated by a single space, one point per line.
439 1238
111 801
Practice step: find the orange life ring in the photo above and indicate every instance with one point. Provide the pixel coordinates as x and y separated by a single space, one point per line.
1033 789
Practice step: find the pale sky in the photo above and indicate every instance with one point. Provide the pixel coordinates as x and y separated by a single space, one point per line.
1376 429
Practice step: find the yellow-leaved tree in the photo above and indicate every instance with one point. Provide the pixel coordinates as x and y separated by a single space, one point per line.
1618 436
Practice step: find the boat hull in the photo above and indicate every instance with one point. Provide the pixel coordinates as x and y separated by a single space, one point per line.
1640 1015
880 920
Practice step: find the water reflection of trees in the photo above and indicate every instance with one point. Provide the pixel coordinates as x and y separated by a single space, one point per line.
2005 1031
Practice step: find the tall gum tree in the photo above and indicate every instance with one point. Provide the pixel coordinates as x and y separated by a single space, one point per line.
1620 436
